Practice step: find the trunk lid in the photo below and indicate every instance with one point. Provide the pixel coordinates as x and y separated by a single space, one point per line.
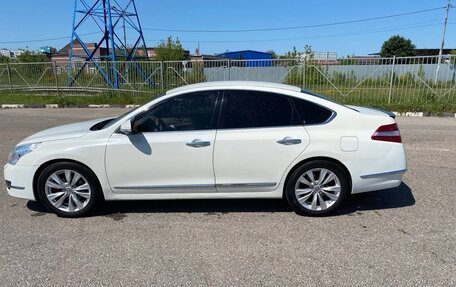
373 111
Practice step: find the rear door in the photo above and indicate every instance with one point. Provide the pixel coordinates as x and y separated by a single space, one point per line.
259 136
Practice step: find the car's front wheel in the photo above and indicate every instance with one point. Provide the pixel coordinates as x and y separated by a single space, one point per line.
68 189
317 188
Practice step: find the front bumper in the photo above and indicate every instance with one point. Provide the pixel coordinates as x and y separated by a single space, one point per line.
19 180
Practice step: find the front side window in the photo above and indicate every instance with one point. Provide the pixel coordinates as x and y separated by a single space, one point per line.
252 109
187 112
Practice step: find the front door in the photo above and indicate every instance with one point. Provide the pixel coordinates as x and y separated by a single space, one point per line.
171 150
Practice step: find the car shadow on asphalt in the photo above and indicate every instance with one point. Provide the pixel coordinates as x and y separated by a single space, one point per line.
377 200
398 197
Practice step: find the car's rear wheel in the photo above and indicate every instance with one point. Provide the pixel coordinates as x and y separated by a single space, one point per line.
317 188
68 189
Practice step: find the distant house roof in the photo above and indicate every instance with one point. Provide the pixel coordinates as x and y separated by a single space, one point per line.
102 52
245 54
152 52
432 52
65 51
205 57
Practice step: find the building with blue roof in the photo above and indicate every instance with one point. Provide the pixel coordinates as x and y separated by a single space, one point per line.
254 58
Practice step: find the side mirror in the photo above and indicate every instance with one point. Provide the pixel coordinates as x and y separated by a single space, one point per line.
126 128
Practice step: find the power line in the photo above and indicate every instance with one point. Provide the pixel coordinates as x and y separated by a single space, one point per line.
44 40
394 28
257 30
365 32
296 27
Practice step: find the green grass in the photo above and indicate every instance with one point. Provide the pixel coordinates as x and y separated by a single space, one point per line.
78 100
403 100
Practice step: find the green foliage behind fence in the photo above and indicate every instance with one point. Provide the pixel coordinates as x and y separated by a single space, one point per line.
394 84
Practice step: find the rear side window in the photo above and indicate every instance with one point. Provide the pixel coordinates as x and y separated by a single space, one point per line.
251 109
311 113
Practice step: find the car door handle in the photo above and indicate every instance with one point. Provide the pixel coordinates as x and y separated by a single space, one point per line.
289 141
198 143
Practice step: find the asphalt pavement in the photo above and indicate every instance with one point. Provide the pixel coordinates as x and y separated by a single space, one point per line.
403 237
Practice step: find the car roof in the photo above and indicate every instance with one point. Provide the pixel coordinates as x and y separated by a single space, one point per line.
233 85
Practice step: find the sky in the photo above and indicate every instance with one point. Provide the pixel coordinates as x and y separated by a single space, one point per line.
31 20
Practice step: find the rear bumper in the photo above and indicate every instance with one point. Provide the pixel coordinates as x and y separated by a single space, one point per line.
384 180
19 180
383 170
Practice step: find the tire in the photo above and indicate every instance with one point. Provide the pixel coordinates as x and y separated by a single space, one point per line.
76 197
321 196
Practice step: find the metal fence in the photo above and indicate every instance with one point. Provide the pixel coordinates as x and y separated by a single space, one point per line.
378 80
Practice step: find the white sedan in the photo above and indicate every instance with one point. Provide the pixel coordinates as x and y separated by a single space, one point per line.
213 140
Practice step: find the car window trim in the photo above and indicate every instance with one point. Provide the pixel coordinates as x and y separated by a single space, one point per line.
330 118
290 100
223 109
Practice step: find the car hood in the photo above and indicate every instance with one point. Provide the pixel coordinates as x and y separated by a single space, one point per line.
70 131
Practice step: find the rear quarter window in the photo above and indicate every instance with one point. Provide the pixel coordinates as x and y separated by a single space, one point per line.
310 113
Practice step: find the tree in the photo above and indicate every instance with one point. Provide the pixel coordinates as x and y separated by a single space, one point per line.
169 50
304 56
301 74
32 57
308 53
4 59
398 46
293 54
273 54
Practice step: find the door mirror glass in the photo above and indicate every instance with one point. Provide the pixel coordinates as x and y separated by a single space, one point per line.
126 127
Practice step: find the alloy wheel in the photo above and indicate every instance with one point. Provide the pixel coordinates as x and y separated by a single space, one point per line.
317 189
68 191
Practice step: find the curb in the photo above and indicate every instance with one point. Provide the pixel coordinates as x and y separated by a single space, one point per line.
98 106
131 106
12 106
422 114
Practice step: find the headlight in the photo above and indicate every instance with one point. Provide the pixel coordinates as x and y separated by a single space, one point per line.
21 150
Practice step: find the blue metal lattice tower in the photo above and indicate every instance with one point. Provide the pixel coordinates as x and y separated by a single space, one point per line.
112 19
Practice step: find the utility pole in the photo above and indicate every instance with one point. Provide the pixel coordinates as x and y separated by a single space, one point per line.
442 43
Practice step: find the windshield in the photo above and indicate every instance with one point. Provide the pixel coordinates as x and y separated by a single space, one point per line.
113 121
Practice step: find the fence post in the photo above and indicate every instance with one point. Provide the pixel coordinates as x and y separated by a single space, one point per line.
390 93
9 78
54 64
162 77
229 69
304 74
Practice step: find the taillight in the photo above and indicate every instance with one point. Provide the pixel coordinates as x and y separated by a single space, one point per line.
388 133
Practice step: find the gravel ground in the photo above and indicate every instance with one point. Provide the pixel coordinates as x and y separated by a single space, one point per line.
404 236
